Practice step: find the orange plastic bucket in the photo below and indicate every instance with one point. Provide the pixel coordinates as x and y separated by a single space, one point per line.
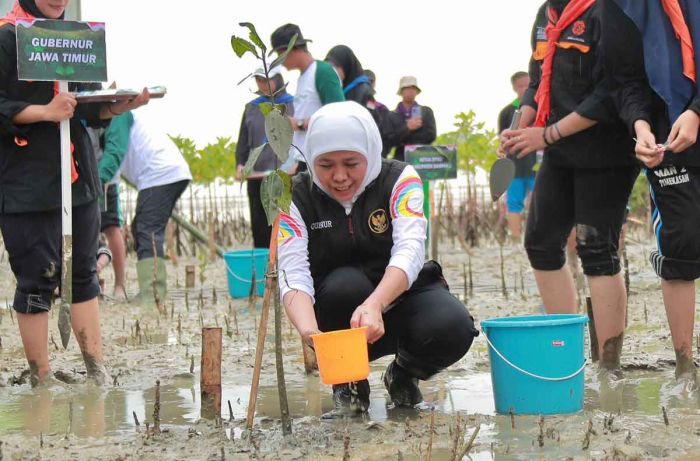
342 355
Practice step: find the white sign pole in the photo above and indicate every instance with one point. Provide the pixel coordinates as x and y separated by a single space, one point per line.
64 321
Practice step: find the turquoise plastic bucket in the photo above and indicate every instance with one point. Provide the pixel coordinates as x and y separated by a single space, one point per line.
537 363
239 268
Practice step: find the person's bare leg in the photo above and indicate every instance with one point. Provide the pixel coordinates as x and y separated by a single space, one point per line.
34 330
679 299
515 225
115 239
85 319
609 307
557 290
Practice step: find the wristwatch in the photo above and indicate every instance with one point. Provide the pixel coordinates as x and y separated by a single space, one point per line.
300 124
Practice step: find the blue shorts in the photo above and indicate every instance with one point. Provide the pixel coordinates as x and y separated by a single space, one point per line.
517 192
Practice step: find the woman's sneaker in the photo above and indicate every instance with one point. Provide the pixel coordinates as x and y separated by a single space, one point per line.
349 399
402 386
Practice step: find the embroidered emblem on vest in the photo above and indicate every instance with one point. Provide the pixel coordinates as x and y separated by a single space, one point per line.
378 222
579 28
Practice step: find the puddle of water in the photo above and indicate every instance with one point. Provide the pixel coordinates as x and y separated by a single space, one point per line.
92 412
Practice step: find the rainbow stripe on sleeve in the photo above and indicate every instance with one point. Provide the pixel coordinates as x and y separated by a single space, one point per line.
289 229
408 188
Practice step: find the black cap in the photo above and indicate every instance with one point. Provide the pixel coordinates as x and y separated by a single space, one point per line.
282 35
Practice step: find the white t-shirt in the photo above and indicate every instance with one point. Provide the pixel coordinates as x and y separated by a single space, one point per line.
152 159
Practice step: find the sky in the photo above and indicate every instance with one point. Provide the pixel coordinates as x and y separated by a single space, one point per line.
462 52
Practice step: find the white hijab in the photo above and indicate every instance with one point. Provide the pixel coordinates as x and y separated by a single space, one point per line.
344 126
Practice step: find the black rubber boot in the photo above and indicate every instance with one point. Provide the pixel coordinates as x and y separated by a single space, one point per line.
402 386
349 399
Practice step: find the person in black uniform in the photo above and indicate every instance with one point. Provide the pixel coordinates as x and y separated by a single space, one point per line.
30 198
352 251
587 172
653 63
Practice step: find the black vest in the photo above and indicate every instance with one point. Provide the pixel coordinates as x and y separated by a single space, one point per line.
362 239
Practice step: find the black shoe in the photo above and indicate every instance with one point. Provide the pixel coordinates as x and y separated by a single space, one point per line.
402 386
349 399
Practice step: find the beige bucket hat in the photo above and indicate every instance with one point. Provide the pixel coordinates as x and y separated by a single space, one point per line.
407 81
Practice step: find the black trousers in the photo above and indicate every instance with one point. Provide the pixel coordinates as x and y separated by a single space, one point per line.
258 219
675 194
33 241
594 200
428 329
153 209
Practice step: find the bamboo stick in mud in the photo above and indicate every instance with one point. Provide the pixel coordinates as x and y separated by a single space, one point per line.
270 288
189 276
279 363
210 378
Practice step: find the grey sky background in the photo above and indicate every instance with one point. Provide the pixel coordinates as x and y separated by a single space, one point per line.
462 53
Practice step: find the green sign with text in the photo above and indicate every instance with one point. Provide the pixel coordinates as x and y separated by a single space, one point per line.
432 162
61 50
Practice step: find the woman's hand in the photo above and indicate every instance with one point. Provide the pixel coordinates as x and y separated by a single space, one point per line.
524 141
505 136
369 315
684 132
61 107
646 149
307 334
118 108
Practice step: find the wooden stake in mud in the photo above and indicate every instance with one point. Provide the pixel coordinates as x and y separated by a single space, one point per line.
279 364
591 330
211 372
270 288
189 276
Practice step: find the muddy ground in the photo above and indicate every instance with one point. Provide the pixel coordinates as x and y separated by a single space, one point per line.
80 421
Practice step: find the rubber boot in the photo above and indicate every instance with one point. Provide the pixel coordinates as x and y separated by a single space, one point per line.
144 272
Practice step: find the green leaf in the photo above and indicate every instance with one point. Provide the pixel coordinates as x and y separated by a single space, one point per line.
280 59
254 154
265 107
276 194
242 46
279 134
270 190
285 199
254 37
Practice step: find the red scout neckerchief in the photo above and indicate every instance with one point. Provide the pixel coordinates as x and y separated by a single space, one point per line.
555 27
16 13
675 14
